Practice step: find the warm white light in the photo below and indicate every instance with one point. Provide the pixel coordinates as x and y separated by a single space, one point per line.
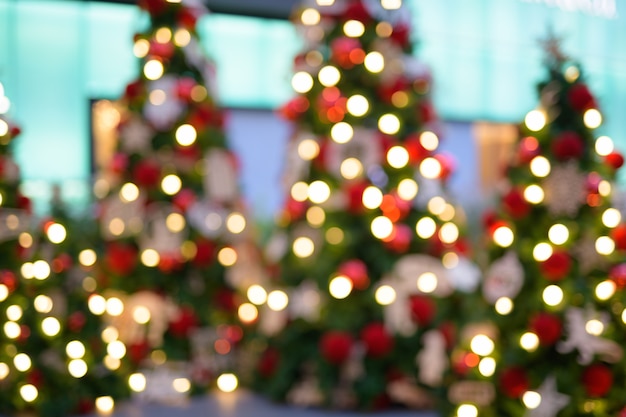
141 314
605 290
129 192
300 191
552 295
316 216
137 382
181 385
227 256
50 326
340 287
534 194
12 330
4 371
357 105
150 257
334 235
141 48
153 69
186 135
4 292
257 294
394 5
529 341
429 140
41 270
247 313
372 197
110 334
503 236
77 368
310 17
558 234
236 223
427 282
531 399
385 295
450 260
182 37
542 252
382 227
487 367
535 120
14 312
277 300
175 222
611 217
27 270
467 410
302 82
56 233
426 227
353 28
157 97
112 364
105 405
171 184
482 345
319 192
407 189
303 247
398 157
341 132
504 306
604 188
329 76
351 168
116 349
605 245
449 233
430 168
114 307
29 393
22 362
540 166
374 62
594 327
227 382
308 149
624 316
97 304
75 349
592 118
604 145
389 124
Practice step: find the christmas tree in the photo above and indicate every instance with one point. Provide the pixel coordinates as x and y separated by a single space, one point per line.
549 334
368 250
176 240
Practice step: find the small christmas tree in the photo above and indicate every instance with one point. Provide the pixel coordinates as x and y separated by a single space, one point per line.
369 249
551 341
177 242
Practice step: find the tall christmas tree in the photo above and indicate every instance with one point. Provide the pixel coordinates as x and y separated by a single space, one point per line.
368 246
552 337
177 242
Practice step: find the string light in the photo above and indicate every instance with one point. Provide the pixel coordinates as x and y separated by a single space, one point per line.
358 105
467 410
372 197
611 218
535 120
236 223
426 227
310 17
248 313
540 166
227 382
257 294
389 124
605 290
171 184
329 76
56 233
318 192
300 191
29 393
303 247
605 245
153 69
302 82
340 287
534 194
503 236
277 300
186 135
427 282
374 62
397 157
353 28
351 168
552 295
482 345
341 132
531 399
430 168
308 149
385 295
592 118
141 48
487 367
137 382
542 252
105 405
227 256
429 140
529 341
558 234
504 306
50 326
382 227
604 146
407 189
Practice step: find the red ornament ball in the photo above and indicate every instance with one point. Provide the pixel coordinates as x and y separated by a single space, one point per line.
557 266
8 279
580 98
378 342
187 18
335 346
568 145
134 90
597 379
342 51
354 193
185 321
618 275
76 321
356 271
423 309
528 149
147 173
205 252
618 235
268 363
356 11
400 238
138 351
120 258
161 50
294 108
615 160
514 382
515 205
547 327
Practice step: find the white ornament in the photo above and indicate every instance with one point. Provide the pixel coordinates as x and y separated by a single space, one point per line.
220 177
160 386
364 146
207 218
465 275
565 189
552 401
272 322
117 212
276 247
304 302
165 114
157 235
135 136
13 222
504 278
409 394
432 360
410 267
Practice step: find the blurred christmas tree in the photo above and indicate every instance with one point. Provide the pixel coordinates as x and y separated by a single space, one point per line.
177 242
368 249
552 299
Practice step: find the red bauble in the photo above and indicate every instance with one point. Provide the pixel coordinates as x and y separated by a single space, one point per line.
354 194
185 321
24 203
14 131
423 309
85 406
515 205
357 11
401 35
547 327
618 235
161 50
568 145
580 97
388 89
119 163
415 149
35 377
206 115
378 342
184 87
489 219
557 266
341 50
187 18
447 165
120 258
147 173
138 351
294 108
514 382
597 379
76 321
528 149
268 363
426 112
8 279
225 299
448 330
618 275
335 346
170 262
134 90
184 199
615 160
400 238
356 271
24 333
294 209
154 7
205 252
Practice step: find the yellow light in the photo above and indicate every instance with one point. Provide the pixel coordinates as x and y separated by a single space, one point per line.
467 410
171 184
310 17
87 257
340 287
303 247
531 399
504 306
394 5
351 168
427 282
407 189
482 345
329 76
257 294
277 300
75 349
181 385
308 149
227 382
186 135
150 257
540 166
592 118
552 295
116 349
157 97
109 334
247 313
56 233
358 105
141 314
302 82
558 234
426 227
141 48
450 260
382 227
535 120
199 93
50 326
430 168
571 73
163 35
4 292
372 197
114 306
429 140
353 28
334 235
449 233
27 270
604 188
341 132
605 290
41 270
14 312
77 368
29 393
384 29
503 236
236 223
4 371
604 145
12 330
116 227
105 405
374 62
112 363
25 239
316 216
398 157
22 362
300 191
611 218
182 37
318 192
175 222
389 124
605 245
97 304
534 194
325 2
385 295
227 256
487 367
529 341
624 316
137 382
153 69
447 213
594 327
542 251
